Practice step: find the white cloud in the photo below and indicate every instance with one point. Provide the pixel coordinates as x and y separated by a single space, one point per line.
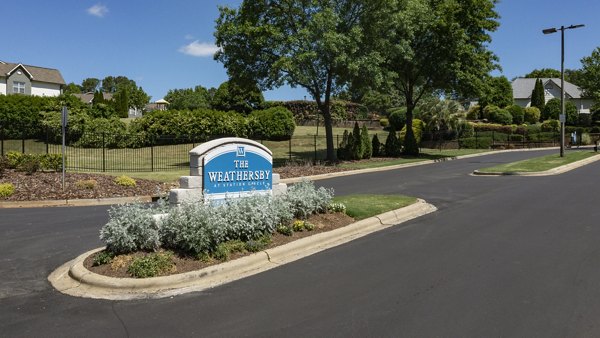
98 10
189 37
199 49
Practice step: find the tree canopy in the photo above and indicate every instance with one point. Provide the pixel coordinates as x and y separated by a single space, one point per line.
543 73
497 91
438 46
590 77
312 44
188 98
231 96
538 96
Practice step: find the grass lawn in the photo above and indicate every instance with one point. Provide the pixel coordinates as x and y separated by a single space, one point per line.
539 163
364 206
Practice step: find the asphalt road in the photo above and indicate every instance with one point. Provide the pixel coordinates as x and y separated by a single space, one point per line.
503 256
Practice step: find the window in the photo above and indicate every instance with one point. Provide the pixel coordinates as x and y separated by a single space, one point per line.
19 87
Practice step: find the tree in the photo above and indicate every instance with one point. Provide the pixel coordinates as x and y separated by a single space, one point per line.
538 96
497 91
367 145
543 73
72 88
98 98
240 98
317 45
89 85
437 46
590 77
129 93
189 98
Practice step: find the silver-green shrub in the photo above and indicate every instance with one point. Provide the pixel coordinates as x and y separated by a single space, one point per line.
195 228
130 228
305 200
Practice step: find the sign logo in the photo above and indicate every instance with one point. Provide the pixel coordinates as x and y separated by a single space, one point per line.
241 151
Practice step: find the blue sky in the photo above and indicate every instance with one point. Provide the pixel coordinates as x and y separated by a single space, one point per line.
168 44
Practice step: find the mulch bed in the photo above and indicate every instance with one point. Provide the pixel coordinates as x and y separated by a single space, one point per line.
48 186
119 265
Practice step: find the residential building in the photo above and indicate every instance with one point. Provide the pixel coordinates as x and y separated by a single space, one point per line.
523 87
16 78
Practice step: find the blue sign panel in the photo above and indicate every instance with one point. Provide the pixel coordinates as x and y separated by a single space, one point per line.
234 170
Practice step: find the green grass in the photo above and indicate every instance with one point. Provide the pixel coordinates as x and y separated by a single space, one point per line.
364 206
539 163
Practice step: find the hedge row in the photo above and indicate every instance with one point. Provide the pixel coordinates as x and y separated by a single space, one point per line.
308 110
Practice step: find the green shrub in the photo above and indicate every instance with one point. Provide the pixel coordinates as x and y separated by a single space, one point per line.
255 245
337 207
517 113
356 145
309 226
343 150
532 115
51 162
551 126
6 190
488 111
29 163
475 142
376 146
393 147
384 122
103 257
298 226
366 143
276 123
125 181
473 113
516 138
397 118
285 230
3 165
14 158
585 120
501 116
418 127
151 265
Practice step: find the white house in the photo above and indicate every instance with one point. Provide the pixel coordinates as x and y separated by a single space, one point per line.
523 87
29 80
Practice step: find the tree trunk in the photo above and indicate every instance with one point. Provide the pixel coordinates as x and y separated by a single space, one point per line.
411 147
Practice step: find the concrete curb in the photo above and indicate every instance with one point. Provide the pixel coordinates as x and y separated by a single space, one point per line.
74 279
554 171
75 202
401 166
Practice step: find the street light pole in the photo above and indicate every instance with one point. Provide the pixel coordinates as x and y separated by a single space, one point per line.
562 116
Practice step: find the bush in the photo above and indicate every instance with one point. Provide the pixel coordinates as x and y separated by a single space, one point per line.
516 138
473 113
255 245
276 123
501 116
337 207
392 147
517 113
151 265
125 181
29 163
285 230
86 184
585 120
305 200
475 142
398 118
356 145
13 159
51 162
532 115
376 146
418 127
298 226
384 122
6 190
489 111
343 151
551 109
366 143
551 126
103 257
130 228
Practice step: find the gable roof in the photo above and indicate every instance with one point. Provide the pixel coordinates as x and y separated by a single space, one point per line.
39 74
522 87
89 97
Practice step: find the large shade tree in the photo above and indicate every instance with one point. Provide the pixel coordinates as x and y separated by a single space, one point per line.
438 46
314 44
590 77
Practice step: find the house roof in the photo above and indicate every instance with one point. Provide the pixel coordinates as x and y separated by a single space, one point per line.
89 97
40 74
522 87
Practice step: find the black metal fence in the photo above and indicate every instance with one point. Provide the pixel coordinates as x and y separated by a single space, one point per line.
102 152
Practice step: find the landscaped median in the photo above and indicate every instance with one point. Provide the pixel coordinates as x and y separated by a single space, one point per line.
73 278
543 166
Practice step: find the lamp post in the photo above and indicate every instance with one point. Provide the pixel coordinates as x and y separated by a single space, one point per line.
562 116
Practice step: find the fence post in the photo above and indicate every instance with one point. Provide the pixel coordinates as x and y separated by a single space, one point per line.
152 153
46 140
2 140
103 152
493 139
290 148
476 139
23 141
